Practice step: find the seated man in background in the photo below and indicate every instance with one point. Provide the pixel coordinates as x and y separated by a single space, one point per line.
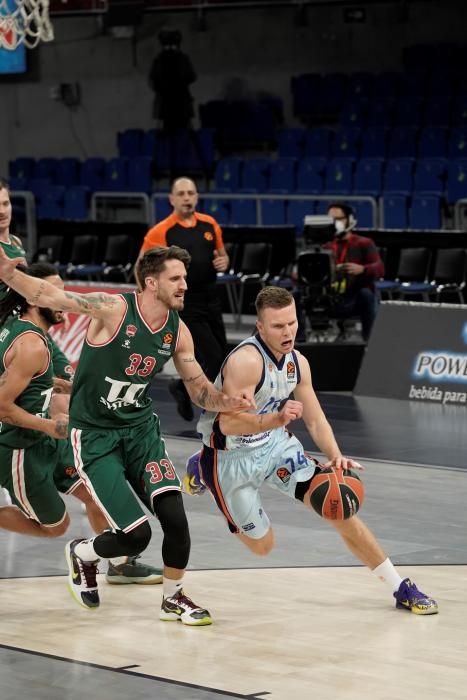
358 266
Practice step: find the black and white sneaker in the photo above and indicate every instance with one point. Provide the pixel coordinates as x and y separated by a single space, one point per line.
180 607
82 582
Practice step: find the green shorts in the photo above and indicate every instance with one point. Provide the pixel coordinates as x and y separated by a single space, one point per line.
109 460
29 476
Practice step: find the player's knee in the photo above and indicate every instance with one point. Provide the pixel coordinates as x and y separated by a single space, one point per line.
168 508
135 541
56 530
263 546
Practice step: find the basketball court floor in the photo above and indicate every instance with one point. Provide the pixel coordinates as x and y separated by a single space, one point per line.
306 622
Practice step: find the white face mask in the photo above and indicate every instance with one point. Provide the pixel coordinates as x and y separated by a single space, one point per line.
340 226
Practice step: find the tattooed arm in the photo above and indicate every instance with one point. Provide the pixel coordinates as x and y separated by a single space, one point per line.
202 392
28 357
39 292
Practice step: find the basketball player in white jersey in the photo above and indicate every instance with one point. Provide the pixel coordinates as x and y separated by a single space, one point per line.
244 450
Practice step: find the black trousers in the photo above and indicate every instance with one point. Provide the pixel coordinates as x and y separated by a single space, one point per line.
203 316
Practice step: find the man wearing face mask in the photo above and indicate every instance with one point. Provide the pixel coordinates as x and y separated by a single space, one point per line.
358 266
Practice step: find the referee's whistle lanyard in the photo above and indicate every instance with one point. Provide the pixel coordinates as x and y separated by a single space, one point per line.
340 285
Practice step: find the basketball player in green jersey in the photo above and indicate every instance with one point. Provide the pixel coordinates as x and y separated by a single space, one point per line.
114 434
122 570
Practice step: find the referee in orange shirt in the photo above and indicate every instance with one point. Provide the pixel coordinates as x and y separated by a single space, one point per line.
201 236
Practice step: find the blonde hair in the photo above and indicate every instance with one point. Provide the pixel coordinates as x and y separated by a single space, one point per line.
273 298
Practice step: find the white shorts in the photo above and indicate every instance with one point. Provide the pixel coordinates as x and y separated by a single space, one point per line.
234 478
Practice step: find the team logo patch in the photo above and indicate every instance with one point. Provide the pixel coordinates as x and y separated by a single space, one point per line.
70 471
131 331
167 339
270 366
290 370
283 474
208 236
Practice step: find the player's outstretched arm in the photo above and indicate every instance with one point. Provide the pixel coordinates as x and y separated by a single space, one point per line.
202 392
316 422
41 293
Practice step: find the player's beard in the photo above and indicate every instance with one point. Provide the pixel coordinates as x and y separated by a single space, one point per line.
172 302
50 316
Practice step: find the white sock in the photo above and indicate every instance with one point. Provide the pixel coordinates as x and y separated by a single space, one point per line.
387 573
171 586
116 561
85 550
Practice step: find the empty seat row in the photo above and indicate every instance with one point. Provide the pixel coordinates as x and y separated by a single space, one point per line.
373 142
399 211
407 111
313 93
113 175
183 149
342 176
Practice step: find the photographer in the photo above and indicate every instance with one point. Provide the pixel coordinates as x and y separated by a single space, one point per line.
358 266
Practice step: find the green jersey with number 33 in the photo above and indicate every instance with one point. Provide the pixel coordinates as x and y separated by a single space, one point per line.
111 384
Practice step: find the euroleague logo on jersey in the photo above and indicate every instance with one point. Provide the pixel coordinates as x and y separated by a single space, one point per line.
283 474
290 370
131 331
208 236
167 339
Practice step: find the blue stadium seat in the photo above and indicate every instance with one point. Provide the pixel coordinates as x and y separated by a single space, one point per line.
430 175
310 175
318 143
346 142
282 175
403 142
413 84
395 211
354 113
386 85
381 112
130 143
369 177
206 143
46 168
457 180
290 143
50 203
116 175
360 84
163 208
140 174
243 212
438 111
255 175
442 83
398 177
409 111
227 175
273 212
339 176
459 111
425 212
22 169
432 142
76 203
333 92
39 185
374 142
68 172
363 214
297 210
148 146
218 208
458 143
92 173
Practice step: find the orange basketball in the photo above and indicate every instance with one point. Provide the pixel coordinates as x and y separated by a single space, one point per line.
336 494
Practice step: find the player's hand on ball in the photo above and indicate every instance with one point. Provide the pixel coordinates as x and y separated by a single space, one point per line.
291 410
341 462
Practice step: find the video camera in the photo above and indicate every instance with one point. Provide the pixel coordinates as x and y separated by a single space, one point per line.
316 265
